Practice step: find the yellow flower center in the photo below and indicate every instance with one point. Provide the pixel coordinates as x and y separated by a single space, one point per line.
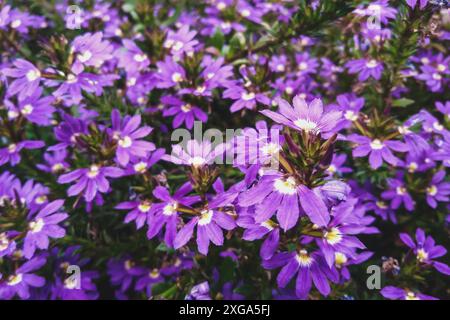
206 217
333 236
304 259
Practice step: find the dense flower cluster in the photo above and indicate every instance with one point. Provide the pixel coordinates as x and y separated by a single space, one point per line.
341 155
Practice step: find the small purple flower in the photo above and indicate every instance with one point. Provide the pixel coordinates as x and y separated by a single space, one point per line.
183 112
127 133
169 74
304 117
398 194
426 250
11 153
34 108
90 180
438 189
181 42
44 226
140 211
55 162
27 78
131 57
244 98
365 68
412 3
377 150
90 50
395 293
196 154
166 212
20 282
309 267
199 292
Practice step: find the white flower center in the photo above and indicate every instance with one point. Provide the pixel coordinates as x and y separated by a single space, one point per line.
245 13
340 258
400 190
432 190
125 142
15 279
304 259
412 167
206 217
437 126
280 67
371 64
303 66
441 67
331 168
27 109
41 199
37 225
178 45
248 96
139 57
170 209
381 204
177 77
287 186
411 296
333 236
351 115
85 56
186 107
422 255
270 149
93 171
33 75
197 161
71 78
144 206
16 23
140 167
12 148
437 76
376 144
306 124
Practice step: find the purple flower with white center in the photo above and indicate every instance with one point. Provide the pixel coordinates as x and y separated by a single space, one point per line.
147 281
184 112
278 63
210 223
34 108
166 212
7 244
244 98
76 82
44 226
394 293
377 150
338 235
342 262
142 165
123 272
131 57
181 42
127 133
438 189
278 193
379 9
426 250
306 64
196 154
443 107
350 106
11 153
20 282
90 181
140 211
254 231
27 78
337 165
398 194
169 74
433 77
90 50
68 131
309 267
305 117
365 68
55 162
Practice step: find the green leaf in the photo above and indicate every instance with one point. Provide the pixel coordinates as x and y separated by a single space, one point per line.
403 102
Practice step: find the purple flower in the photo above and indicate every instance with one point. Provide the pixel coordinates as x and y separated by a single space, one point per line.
183 112
90 180
398 194
210 223
128 134
365 68
90 50
196 154
181 42
123 272
34 108
166 212
11 153
412 3
68 131
337 165
199 292
438 189
131 57
304 117
140 211
309 267
44 226
169 74
20 282
377 150
27 78
55 162
395 293
426 250
244 98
